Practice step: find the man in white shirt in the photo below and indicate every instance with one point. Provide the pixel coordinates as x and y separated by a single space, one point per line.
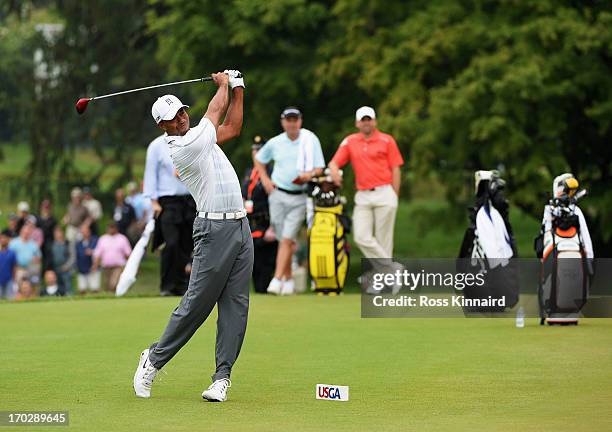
223 247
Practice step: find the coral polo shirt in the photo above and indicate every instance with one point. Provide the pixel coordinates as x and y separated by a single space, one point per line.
373 158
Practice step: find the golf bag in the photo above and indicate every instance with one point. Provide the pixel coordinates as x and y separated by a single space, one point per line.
565 249
328 249
488 246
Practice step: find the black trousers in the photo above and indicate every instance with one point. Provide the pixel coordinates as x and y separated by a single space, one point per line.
176 223
265 261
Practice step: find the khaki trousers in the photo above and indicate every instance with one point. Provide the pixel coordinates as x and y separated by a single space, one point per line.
111 277
374 221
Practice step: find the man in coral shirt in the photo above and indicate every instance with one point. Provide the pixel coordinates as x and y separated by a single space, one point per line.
376 161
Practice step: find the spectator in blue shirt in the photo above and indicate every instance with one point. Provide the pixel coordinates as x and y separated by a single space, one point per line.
141 204
297 157
8 263
174 210
86 278
142 209
27 252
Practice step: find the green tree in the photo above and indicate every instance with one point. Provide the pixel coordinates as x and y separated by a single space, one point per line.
273 42
17 41
103 47
524 85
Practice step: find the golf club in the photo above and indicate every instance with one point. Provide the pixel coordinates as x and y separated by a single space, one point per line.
81 104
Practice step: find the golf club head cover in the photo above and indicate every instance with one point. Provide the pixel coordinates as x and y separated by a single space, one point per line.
235 78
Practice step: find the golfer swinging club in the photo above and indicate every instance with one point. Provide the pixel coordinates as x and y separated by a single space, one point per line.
223 248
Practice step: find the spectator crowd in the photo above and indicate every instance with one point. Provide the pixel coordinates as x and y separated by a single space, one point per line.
41 255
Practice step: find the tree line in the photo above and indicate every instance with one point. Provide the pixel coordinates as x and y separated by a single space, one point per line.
523 86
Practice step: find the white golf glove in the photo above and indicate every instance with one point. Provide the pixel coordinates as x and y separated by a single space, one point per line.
235 78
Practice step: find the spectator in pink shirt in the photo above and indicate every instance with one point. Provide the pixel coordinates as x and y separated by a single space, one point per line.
111 254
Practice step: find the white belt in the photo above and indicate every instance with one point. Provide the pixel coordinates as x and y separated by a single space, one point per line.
220 216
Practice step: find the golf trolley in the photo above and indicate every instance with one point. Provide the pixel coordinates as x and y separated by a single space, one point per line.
565 267
328 249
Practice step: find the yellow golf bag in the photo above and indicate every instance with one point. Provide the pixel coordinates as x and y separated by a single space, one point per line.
328 250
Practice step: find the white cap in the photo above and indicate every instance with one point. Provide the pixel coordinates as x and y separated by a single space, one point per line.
76 192
365 111
166 107
23 207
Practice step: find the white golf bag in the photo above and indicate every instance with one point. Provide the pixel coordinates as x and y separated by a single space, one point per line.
488 244
566 252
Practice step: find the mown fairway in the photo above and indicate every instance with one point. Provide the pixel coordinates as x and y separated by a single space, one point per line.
404 374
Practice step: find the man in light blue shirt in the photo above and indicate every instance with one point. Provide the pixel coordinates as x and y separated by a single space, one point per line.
297 157
27 253
160 175
175 211
141 204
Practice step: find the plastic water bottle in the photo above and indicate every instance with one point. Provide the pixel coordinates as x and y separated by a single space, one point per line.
520 317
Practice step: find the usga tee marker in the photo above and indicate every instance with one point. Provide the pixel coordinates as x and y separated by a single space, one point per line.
332 392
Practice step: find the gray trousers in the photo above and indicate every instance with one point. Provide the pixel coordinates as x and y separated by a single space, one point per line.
220 274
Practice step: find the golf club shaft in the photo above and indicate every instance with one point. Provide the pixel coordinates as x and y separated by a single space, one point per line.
152 87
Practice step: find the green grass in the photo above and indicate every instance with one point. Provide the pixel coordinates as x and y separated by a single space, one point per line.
17 157
14 166
404 374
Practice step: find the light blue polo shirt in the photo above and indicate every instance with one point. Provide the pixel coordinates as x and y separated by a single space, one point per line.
284 153
24 251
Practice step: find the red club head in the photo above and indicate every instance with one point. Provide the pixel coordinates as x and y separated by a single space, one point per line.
81 105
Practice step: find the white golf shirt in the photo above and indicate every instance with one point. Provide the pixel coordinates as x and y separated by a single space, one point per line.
205 170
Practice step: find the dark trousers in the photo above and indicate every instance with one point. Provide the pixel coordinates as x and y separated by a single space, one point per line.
176 223
265 261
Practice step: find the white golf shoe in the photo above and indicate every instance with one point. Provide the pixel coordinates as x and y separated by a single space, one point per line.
144 376
217 392
288 287
275 287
